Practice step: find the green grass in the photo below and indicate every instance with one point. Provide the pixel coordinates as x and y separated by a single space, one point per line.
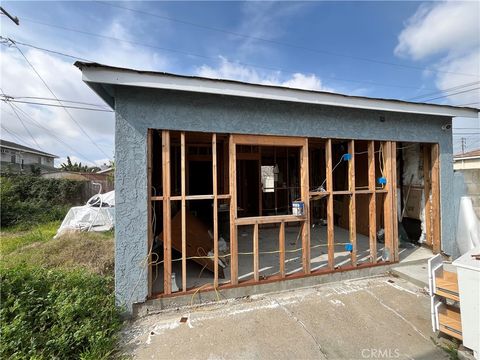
15 237
57 295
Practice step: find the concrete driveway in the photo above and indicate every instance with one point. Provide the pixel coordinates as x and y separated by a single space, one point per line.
375 318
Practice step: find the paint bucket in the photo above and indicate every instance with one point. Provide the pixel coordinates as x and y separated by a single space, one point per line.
297 208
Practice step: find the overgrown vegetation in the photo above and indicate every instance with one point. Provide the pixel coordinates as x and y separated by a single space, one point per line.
27 200
57 294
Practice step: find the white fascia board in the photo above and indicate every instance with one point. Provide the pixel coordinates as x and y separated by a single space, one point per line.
211 86
466 158
30 151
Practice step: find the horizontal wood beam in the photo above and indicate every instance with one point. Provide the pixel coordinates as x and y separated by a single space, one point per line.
268 219
268 140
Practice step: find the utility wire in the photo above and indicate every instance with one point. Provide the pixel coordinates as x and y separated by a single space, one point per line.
55 105
444 90
64 108
456 93
287 71
275 42
50 133
62 100
14 135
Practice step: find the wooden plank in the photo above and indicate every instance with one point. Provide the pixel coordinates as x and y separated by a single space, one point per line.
215 209
352 216
149 209
281 247
436 231
342 192
256 275
156 198
304 194
183 214
268 140
387 204
372 211
233 211
192 197
329 184
395 241
426 194
167 218
272 219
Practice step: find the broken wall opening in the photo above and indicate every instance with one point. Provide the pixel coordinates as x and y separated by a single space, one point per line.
222 207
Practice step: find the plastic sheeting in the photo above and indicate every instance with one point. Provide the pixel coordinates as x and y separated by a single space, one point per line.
468 227
98 214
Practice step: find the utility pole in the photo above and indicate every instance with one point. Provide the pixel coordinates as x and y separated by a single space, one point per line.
11 17
464 143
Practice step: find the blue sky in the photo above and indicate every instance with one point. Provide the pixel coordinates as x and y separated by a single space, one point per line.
430 47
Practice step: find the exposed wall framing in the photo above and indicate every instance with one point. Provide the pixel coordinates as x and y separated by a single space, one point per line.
222 151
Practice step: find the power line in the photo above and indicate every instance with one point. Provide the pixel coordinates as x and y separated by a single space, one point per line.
444 90
50 133
195 55
276 42
55 105
26 129
14 135
456 93
62 100
64 108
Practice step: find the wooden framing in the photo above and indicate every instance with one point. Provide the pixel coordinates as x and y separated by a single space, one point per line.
233 210
228 155
167 218
427 186
372 209
215 209
184 212
351 206
330 226
149 208
435 209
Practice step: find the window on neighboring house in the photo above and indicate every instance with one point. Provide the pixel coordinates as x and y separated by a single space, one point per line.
39 159
4 151
22 165
13 159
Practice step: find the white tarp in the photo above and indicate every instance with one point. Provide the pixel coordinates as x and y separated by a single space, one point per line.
98 214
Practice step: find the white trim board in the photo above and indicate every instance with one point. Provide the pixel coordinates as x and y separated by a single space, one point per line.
101 74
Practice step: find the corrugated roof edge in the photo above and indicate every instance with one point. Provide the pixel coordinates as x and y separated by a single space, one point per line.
473 112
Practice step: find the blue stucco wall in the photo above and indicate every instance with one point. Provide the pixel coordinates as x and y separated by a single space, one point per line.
140 109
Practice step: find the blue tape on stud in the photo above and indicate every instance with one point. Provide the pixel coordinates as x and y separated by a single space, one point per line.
347 157
382 180
348 247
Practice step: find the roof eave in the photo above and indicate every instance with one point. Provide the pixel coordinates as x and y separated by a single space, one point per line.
97 76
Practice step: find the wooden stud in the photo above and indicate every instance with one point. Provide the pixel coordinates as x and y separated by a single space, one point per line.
436 231
394 201
233 212
329 184
268 140
167 218
305 196
372 211
352 217
427 186
281 247
149 210
184 212
215 209
256 275
387 204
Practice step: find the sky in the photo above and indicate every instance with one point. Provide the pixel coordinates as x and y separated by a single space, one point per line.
419 51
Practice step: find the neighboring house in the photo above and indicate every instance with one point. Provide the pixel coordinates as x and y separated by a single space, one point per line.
191 155
469 165
468 160
19 158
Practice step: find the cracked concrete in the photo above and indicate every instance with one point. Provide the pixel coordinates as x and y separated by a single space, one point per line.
380 317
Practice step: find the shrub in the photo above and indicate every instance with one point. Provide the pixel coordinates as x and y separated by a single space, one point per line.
52 314
30 199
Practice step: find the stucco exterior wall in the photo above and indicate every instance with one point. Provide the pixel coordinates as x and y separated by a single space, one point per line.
140 109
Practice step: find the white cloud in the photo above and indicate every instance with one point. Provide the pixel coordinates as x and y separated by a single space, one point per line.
441 27
234 71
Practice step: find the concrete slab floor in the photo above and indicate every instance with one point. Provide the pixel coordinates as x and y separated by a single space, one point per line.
379 317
